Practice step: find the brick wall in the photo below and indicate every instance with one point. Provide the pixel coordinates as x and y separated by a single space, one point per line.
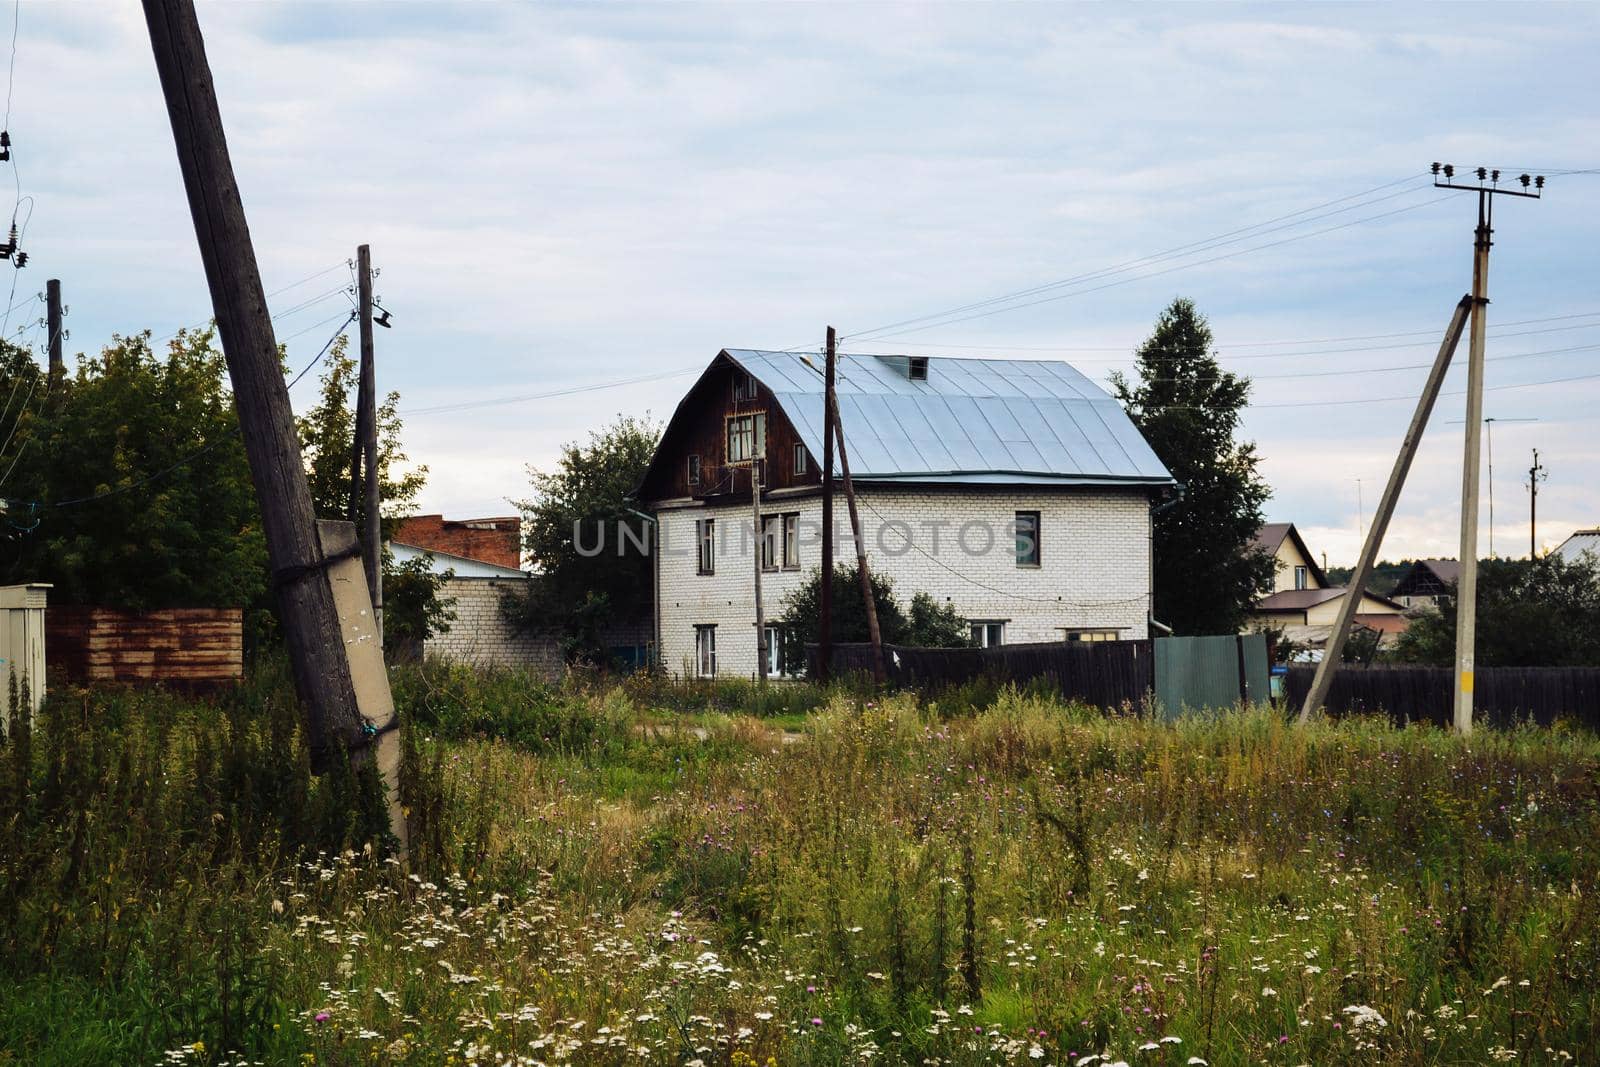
482 636
1093 572
495 540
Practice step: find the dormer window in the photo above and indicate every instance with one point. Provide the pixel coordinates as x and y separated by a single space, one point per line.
919 368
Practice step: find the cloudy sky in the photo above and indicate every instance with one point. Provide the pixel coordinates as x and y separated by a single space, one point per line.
560 197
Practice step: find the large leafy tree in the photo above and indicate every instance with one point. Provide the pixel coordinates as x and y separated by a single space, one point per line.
130 486
1531 613
1206 572
589 494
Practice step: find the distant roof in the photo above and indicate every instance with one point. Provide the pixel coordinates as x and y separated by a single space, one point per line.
1270 538
1414 582
973 421
1301 599
1580 542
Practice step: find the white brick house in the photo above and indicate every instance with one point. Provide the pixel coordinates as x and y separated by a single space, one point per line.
1018 492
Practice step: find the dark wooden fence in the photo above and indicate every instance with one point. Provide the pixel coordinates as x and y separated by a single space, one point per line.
1102 674
1502 695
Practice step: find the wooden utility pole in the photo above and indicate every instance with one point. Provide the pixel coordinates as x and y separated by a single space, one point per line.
365 506
873 634
760 545
1488 188
318 655
825 591
1333 649
1536 474
52 305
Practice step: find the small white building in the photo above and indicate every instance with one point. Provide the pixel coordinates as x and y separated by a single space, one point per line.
1018 492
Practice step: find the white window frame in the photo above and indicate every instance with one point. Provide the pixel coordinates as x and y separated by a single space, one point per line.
746 437
775 652
791 541
705 531
1088 634
705 650
1302 577
983 629
771 541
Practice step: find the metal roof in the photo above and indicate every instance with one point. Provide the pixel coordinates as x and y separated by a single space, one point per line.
1580 542
972 421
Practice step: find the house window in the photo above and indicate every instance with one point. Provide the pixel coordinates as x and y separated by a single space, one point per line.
1088 635
1300 574
771 541
791 541
744 387
988 634
799 460
747 437
919 368
705 651
1027 527
774 652
694 470
706 534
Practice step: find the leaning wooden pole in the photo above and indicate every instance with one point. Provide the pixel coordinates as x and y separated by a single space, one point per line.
825 587
1333 651
300 567
874 635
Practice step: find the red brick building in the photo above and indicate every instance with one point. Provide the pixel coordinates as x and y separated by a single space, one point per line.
493 540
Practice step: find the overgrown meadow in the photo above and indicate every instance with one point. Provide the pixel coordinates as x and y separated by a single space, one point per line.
646 873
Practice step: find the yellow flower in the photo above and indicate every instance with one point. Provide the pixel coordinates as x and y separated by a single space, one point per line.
199 1048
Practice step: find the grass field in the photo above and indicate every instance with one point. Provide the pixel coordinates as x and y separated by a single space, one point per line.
992 878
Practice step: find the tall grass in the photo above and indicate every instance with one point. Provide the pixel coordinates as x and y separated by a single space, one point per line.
1027 883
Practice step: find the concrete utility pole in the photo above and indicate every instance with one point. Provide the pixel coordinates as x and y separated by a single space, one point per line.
299 556
365 506
1488 188
760 544
1536 474
825 591
52 304
1333 650
878 673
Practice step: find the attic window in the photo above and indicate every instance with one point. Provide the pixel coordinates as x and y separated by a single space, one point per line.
744 386
919 368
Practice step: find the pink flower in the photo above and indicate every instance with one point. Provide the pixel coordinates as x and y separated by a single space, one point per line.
322 1016
816 1022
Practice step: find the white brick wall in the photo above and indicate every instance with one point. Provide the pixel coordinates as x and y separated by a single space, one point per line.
480 634
1093 572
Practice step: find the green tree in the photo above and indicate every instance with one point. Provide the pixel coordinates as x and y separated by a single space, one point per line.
589 494
1531 613
928 623
144 497
1206 571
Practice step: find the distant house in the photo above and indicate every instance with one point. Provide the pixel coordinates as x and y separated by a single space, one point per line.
1426 582
1580 542
1016 492
1302 604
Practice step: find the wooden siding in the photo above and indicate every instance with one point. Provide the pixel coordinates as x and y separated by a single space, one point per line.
183 647
700 427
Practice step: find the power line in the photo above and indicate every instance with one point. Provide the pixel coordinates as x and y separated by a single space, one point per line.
1169 270
574 390
1379 399
1343 371
1192 247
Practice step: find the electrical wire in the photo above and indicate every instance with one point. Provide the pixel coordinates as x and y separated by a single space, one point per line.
1193 247
1169 270
468 405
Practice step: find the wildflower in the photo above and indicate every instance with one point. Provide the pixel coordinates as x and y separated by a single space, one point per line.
322 1016
816 1021
1268 991
1363 1017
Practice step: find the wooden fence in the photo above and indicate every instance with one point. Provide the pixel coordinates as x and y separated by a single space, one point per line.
1502 695
191 648
1102 674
